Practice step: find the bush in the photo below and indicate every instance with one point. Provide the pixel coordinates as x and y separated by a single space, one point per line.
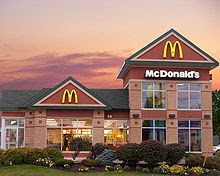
118 168
109 168
213 172
83 169
212 163
163 169
1 151
53 153
152 152
32 154
107 157
175 152
90 163
97 149
14 156
60 162
128 153
193 160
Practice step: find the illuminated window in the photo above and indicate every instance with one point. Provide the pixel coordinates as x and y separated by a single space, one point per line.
189 96
62 133
154 130
153 95
116 132
189 134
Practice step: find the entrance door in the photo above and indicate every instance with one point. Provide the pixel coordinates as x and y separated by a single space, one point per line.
11 138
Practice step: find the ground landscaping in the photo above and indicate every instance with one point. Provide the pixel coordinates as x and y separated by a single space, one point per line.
149 157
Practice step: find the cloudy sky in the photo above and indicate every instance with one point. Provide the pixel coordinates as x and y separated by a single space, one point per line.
44 41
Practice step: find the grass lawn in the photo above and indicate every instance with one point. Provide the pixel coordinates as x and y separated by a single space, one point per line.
32 170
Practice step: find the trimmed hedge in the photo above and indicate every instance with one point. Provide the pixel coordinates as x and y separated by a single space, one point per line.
90 163
175 152
128 153
152 152
28 155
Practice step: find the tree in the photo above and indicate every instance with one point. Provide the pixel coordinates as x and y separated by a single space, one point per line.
216 111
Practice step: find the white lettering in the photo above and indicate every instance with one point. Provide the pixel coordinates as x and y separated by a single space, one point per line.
172 74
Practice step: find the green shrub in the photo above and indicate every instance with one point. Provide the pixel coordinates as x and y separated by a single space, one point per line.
90 163
126 168
14 156
152 152
118 168
1 151
145 169
32 154
97 149
109 168
128 153
194 159
83 169
197 171
106 157
175 152
53 153
212 163
162 169
60 162
66 166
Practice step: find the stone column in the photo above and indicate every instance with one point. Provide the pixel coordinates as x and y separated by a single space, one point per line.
207 129
98 127
40 129
29 128
172 121
135 122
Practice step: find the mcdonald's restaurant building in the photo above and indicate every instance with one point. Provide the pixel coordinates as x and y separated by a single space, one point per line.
165 96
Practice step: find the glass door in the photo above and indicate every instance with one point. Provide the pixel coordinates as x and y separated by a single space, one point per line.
11 138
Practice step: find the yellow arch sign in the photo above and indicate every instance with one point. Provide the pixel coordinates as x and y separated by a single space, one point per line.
173 49
70 96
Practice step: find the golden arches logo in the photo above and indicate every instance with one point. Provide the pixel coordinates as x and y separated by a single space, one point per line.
70 96
173 49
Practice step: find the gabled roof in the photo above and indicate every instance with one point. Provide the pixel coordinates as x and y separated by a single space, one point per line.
17 99
132 61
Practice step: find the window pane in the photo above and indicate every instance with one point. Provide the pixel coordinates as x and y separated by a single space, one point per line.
54 137
20 137
147 134
182 86
183 100
147 99
147 123
195 140
21 123
70 123
11 138
160 99
115 136
147 86
183 123
110 124
159 86
85 133
183 138
195 123
10 122
160 123
68 136
53 122
160 135
122 124
195 100
195 87
84 123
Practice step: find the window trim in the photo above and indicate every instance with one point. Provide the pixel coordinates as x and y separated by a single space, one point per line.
189 92
61 127
189 130
154 128
165 90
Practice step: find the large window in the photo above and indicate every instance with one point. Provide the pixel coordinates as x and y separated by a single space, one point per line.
14 133
153 95
189 96
189 134
154 130
62 133
115 132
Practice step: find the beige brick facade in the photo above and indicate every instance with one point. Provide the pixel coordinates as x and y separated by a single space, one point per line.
98 127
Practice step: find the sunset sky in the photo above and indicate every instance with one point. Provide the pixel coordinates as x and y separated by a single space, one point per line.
44 41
